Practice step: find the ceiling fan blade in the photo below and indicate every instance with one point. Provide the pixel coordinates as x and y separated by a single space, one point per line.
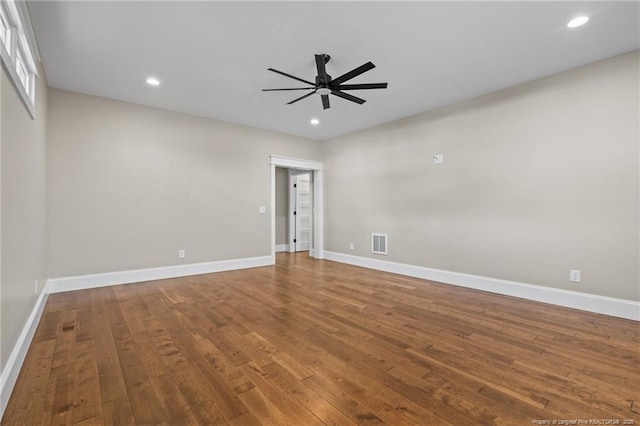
293 88
361 86
301 98
291 76
322 71
353 73
325 101
348 97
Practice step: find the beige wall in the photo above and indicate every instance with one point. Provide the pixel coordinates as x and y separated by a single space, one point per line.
536 180
131 185
282 206
23 201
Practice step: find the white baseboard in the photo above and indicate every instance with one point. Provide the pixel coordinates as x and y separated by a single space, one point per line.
282 247
19 352
621 308
81 282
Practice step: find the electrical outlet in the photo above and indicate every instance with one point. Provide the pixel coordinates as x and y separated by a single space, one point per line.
574 275
262 209
438 159
352 246
181 254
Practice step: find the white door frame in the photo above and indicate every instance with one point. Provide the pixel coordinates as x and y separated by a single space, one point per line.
291 218
316 168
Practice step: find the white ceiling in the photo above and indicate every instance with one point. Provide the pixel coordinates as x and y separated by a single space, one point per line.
212 57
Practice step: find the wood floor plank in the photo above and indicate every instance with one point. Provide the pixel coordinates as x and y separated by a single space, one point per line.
28 402
310 342
117 412
60 390
322 409
172 401
247 419
87 398
491 377
173 343
263 409
111 380
144 403
295 412
357 411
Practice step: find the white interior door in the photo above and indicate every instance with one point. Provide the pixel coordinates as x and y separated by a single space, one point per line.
302 211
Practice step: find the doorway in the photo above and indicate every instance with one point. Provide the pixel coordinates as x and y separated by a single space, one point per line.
314 171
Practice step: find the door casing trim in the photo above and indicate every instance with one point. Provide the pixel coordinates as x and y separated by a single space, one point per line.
317 170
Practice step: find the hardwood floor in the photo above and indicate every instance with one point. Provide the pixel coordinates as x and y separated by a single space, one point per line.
311 342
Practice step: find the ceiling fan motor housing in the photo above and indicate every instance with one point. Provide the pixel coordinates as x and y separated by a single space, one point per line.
321 83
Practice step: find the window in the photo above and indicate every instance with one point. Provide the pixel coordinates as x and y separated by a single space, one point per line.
4 30
16 50
21 69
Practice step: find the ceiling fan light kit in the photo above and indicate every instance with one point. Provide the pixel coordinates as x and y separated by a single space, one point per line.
324 85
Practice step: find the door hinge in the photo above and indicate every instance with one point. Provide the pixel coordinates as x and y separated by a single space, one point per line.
295 185
294 240
295 213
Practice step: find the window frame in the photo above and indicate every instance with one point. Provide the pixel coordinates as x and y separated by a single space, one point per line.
17 51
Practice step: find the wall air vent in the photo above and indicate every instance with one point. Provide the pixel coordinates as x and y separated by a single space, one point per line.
379 243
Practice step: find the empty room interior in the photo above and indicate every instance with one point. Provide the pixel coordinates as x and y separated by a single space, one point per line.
319 213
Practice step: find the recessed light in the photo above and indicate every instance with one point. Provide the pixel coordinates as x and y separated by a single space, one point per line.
314 121
576 22
152 81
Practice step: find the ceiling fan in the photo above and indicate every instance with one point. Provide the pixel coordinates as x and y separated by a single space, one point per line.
325 85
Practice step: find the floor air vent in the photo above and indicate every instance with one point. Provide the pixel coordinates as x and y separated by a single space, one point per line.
378 243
